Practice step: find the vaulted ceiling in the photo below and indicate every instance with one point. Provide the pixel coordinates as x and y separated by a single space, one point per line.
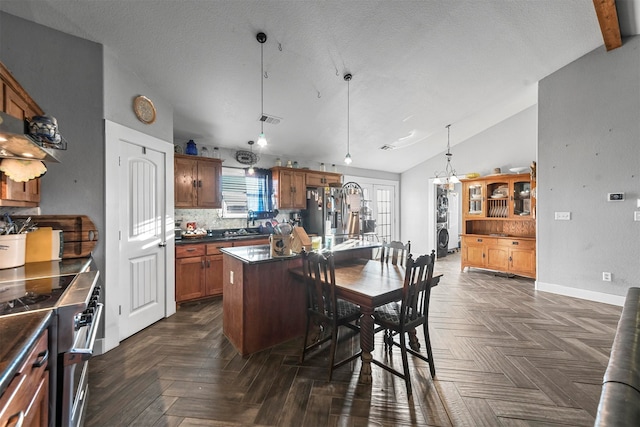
417 66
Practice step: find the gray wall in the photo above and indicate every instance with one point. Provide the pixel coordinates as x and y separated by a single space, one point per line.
589 133
121 87
64 76
510 143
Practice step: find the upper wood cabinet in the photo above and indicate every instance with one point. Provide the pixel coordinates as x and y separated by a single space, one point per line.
321 179
290 188
16 102
197 182
290 185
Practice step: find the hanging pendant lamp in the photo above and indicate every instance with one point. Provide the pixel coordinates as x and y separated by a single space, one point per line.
448 176
262 139
347 158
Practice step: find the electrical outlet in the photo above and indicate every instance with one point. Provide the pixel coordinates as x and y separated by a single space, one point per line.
606 276
563 216
231 277
615 197
636 216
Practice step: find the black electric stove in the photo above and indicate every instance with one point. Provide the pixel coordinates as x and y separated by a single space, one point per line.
35 294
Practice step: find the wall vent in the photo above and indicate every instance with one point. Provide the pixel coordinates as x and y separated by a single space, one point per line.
272 120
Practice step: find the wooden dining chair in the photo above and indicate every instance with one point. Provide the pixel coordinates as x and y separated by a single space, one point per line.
395 251
411 312
324 308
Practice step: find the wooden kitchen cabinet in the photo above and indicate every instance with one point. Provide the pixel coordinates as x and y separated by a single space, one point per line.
199 267
16 102
289 186
197 182
499 228
28 392
322 179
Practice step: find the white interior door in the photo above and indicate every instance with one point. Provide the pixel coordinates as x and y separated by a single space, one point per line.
140 282
141 238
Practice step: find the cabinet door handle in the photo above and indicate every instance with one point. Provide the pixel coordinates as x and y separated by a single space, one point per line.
199 183
191 249
515 243
208 264
43 356
194 183
202 264
479 240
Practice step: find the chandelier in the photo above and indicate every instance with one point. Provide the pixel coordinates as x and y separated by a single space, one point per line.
448 175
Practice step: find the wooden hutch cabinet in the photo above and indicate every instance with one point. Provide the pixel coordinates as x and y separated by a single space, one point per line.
290 187
16 102
197 182
498 224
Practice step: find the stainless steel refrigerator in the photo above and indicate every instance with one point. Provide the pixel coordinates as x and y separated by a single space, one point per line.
323 214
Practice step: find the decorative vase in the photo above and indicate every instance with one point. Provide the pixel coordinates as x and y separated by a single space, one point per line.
191 148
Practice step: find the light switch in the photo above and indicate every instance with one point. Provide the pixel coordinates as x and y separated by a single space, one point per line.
563 216
636 216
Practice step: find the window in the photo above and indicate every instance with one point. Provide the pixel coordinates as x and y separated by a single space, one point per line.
242 192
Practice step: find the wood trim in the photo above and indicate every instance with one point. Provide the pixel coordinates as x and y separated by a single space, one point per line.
608 20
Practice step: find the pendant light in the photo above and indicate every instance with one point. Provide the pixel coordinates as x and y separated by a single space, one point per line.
251 171
347 158
448 176
262 140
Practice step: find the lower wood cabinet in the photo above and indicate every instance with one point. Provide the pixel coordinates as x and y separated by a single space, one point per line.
199 268
27 396
509 255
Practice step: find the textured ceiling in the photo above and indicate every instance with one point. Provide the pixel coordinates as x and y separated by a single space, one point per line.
417 66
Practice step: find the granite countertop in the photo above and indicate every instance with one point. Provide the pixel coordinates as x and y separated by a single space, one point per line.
18 334
36 270
220 238
262 253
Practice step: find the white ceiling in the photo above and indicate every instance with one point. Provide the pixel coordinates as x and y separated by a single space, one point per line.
417 66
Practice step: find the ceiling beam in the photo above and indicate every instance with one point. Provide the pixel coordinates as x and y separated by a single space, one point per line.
608 19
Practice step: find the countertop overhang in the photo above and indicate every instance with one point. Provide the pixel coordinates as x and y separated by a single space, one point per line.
262 253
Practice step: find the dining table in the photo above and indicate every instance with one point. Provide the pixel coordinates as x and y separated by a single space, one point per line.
369 283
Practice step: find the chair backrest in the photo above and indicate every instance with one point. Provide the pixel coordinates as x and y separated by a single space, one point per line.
417 288
320 279
396 250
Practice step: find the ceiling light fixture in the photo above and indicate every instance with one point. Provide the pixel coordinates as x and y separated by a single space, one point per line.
448 176
262 140
347 158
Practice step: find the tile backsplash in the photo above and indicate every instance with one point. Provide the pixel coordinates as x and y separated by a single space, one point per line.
211 219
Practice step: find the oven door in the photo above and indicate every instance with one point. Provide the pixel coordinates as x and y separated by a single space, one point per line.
76 369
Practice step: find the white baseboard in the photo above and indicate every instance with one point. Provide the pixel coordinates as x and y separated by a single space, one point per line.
580 293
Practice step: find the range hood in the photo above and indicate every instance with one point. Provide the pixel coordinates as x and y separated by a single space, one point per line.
15 143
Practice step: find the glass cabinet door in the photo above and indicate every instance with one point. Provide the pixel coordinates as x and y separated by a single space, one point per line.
521 198
475 199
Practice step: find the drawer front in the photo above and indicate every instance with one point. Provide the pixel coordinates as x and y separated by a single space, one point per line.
19 395
517 243
252 242
214 248
479 240
183 251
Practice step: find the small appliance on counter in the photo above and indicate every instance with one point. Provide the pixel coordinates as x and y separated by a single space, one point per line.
177 230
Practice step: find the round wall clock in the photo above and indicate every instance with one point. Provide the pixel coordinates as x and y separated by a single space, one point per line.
144 109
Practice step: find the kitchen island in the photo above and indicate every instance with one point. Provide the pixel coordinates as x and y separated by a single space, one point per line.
263 305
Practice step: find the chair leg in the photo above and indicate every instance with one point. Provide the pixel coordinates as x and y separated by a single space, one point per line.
427 340
304 342
332 351
405 362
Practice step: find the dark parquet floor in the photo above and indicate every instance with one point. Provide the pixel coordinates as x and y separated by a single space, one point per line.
505 355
